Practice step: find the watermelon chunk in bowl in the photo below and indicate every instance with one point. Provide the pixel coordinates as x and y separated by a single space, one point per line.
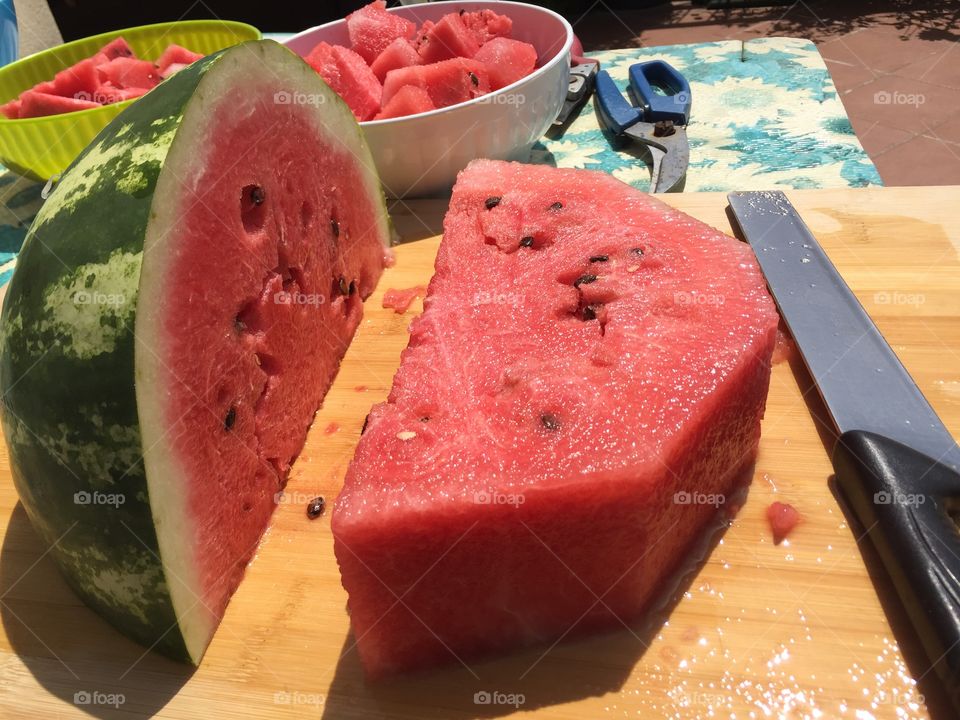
155 395
422 154
43 147
582 392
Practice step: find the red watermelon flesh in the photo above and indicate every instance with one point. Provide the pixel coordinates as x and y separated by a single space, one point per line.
372 29
447 83
398 54
449 38
485 25
420 38
12 109
588 362
507 60
124 72
409 100
38 104
306 246
118 47
349 76
176 54
79 81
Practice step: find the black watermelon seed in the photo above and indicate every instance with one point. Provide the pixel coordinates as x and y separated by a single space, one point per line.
637 251
352 288
239 325
492 202
363 428
474 79
343 286
335 227
556 206
425 418
599 258
526 241
550 422
230 420
585 279
316 507
590 312
257 195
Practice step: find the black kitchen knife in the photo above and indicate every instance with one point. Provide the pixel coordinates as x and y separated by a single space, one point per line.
895 462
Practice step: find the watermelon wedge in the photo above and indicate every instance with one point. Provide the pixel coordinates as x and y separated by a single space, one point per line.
409 100
507 60
447 82
372 29
584 388
400 53
39 104
178 311
447 39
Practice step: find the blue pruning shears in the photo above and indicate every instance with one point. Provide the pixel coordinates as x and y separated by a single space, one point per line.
658 121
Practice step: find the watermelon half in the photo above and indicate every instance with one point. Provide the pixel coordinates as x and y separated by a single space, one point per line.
582 392
178 311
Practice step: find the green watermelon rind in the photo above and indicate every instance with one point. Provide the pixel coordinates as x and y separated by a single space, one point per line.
69 351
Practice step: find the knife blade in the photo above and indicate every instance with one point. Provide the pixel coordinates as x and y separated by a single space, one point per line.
896 464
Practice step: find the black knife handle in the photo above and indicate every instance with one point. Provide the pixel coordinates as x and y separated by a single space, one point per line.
902 498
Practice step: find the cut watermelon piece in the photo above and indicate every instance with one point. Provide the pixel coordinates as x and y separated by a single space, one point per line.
590 365
782 518
409 100
38 104
447 83
485 25
79 81
507 60
398 54
372 29
11 109
175 54
449 38
154 394
118 47
420 39
349 76
124 72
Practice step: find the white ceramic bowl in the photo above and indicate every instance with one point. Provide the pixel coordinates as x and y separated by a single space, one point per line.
421 154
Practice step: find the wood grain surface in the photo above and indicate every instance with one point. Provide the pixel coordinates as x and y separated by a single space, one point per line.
758 631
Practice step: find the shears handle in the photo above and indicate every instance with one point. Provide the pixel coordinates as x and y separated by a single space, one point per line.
617 113
672 103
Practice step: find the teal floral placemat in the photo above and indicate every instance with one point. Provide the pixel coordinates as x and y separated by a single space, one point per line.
765 114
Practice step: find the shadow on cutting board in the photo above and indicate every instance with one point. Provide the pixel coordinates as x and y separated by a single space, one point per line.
573 669
70 651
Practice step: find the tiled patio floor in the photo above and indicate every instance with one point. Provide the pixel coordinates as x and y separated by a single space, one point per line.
896 66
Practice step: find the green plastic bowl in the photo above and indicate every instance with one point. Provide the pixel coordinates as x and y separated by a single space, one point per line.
42 147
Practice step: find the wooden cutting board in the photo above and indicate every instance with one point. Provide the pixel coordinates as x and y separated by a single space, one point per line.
760 631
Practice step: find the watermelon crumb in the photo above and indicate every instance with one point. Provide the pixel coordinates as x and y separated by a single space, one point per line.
783 518
331 429
401 300
360 388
